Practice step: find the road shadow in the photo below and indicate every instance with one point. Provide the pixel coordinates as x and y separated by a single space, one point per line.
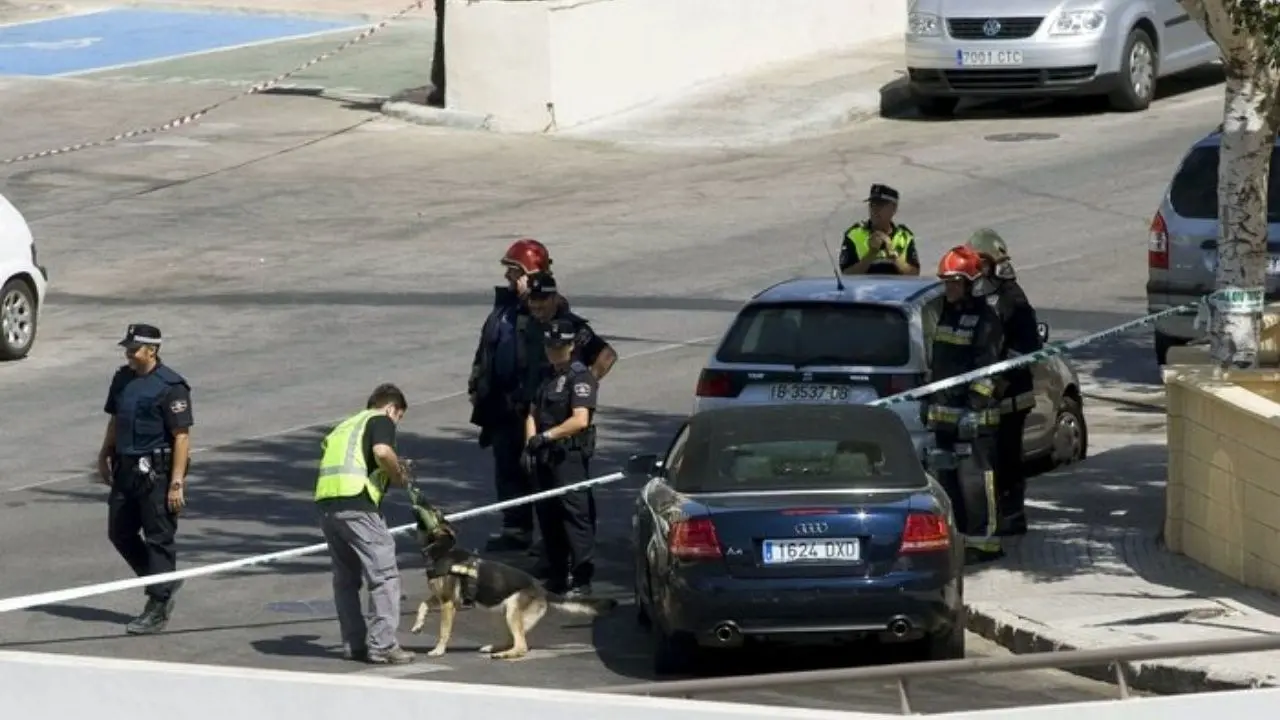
896 100
254 496
1105 517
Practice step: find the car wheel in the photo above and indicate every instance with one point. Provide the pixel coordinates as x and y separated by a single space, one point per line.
1138 73
17 320
937 106
675 653
1070 433
1163 344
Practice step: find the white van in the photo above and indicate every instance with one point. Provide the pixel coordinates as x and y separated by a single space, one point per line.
23 282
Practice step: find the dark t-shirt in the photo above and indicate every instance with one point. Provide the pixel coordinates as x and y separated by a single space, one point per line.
379 430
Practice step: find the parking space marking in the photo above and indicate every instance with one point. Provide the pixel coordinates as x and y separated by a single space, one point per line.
124 37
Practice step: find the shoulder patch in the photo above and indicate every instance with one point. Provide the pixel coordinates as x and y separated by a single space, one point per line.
582 389
177 406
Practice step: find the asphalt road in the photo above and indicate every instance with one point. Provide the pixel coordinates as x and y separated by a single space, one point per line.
297 252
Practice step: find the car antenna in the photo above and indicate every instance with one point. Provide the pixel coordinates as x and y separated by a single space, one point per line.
834 265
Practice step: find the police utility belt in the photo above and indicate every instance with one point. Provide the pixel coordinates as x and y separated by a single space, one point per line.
152 465
583 442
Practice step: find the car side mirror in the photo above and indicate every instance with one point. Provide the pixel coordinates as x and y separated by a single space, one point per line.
1042 329
646 465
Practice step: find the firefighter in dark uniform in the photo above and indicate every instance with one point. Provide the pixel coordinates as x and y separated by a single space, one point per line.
964 418
561 440
999 285
878 245
506 371
144 459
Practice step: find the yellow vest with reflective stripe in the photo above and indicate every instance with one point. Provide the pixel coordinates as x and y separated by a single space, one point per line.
343 472
860 236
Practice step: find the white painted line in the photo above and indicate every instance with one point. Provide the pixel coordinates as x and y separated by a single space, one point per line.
198 53
402 671
59 16
290 430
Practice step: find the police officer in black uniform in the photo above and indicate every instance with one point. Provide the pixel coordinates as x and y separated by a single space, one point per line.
1000 287
561 440
144 459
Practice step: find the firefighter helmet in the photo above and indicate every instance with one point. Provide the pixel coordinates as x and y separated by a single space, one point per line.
960 263
528 255
989 243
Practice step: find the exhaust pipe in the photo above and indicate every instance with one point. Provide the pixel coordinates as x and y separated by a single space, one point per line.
899 627
727 634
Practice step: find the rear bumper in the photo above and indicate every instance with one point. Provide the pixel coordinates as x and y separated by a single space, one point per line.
726 612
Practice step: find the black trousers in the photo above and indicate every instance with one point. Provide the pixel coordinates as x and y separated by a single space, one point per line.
1011 478
140 525
970 487
509 478
567 521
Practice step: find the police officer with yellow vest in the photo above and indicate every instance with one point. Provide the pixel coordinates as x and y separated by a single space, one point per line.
878 246
358 463
999 285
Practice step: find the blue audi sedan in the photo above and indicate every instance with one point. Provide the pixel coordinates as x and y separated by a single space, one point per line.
797 524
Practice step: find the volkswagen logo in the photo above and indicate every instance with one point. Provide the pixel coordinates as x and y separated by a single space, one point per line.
811 528
991 27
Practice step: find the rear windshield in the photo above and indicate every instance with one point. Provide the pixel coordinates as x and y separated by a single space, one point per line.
1194 192
787 465
818 334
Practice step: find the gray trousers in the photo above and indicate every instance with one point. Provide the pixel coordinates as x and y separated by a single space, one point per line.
363 552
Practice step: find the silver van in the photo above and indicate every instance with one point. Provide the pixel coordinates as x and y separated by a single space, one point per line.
1041 48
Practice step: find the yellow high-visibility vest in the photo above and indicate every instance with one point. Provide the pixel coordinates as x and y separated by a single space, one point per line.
860 237
343 472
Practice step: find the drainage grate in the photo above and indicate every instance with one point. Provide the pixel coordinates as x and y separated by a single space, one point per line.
1021 137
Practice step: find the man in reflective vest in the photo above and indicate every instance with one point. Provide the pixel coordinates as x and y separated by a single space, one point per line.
999 285
878 246
359 462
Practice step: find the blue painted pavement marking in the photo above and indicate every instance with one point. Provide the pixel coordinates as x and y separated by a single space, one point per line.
112 38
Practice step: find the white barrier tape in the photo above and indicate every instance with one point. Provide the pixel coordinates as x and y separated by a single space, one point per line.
58 596
29 601
192 117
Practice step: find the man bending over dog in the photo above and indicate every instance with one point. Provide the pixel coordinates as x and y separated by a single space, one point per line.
359 462
456 576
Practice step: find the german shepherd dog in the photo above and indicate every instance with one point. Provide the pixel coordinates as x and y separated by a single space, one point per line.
455 575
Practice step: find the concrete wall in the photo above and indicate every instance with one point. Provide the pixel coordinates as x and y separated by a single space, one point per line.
36 686
1223 496
534 65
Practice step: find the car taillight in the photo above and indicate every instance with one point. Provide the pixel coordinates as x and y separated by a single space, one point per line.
1158 244
694 539
925 532
715 384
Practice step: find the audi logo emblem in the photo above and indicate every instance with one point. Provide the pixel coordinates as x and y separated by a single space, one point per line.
811 528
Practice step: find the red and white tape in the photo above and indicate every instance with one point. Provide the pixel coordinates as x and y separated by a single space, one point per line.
192 117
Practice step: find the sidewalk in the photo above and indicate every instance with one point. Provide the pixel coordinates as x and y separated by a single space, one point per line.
779 105
1092 573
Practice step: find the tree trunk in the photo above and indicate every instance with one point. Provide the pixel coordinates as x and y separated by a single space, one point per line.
1243 34
1243 169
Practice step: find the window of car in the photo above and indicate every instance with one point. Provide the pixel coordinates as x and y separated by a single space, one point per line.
930 312
1194 190
671 464
809 333
788 465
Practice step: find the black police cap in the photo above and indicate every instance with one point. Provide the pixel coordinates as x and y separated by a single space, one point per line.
560 332
141 334
882 193
542 284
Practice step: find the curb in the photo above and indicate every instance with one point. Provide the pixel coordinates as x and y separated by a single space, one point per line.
1022 636
435 117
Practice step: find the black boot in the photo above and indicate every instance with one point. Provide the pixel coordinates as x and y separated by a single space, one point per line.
151 621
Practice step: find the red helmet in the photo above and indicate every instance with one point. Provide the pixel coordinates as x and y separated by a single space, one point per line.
960 262
529 255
